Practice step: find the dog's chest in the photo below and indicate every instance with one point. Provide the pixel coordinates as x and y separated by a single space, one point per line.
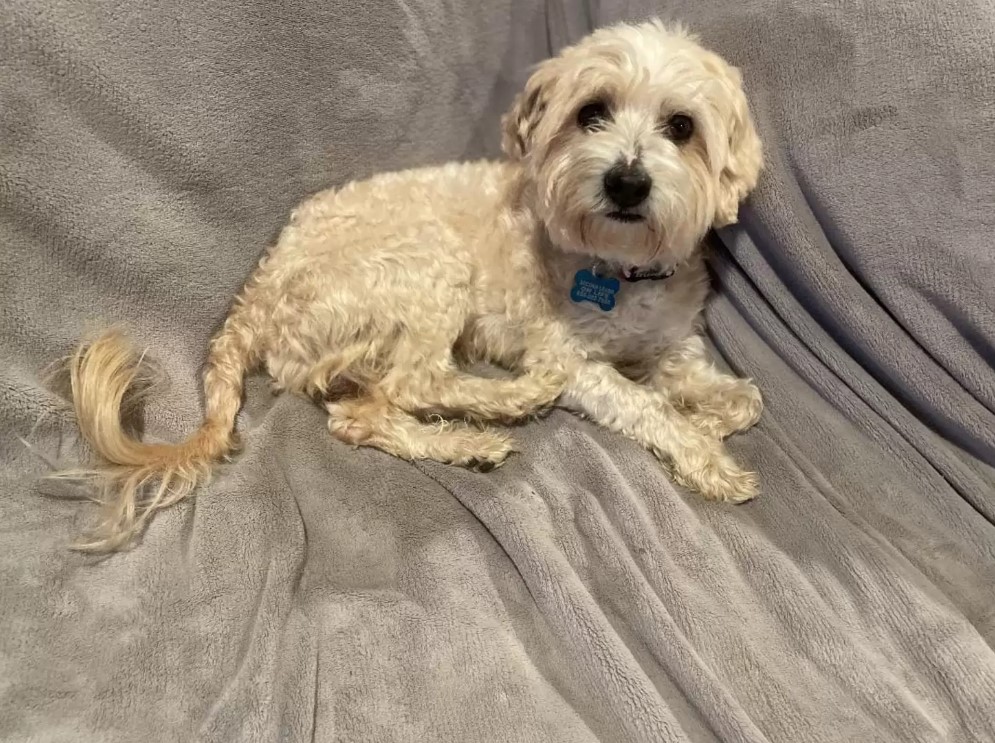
646 318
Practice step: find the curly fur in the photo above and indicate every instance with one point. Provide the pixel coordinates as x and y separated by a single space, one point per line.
378 294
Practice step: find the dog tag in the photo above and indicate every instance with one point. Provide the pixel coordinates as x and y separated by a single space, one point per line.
599 290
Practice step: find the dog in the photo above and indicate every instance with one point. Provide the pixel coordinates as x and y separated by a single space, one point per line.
575 264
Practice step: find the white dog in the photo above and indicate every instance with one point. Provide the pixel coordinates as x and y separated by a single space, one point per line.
574 264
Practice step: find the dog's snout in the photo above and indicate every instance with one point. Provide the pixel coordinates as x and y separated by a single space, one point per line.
628 184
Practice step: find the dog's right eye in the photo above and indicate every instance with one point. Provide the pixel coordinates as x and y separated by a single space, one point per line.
593 116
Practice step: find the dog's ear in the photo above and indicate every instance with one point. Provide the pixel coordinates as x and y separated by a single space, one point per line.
519 124
745 153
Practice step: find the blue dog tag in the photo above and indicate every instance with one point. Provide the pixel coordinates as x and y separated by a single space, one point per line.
590 288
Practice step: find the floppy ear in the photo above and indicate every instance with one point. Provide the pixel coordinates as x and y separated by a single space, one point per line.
519 124
745 156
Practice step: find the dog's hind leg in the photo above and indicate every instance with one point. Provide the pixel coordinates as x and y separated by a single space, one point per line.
458 394
423 383
369 421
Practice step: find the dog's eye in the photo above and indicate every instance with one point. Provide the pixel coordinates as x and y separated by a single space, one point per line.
593 116
679 127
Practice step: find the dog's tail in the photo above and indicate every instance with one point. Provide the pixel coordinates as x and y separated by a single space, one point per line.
135 479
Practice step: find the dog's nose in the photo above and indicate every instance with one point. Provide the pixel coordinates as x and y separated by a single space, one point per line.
628 184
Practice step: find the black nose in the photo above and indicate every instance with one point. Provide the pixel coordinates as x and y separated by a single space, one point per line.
628 184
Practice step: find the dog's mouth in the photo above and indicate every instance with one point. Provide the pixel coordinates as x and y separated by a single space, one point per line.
625 217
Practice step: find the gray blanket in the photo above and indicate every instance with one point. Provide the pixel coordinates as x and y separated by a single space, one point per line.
149 152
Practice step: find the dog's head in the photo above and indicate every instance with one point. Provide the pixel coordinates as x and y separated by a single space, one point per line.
637 141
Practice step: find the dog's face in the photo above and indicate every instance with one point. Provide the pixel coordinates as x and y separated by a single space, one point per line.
637 141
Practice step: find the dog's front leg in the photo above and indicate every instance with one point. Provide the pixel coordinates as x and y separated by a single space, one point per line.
700 462
715 402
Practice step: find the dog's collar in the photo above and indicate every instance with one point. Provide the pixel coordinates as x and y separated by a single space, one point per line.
649 272
601 282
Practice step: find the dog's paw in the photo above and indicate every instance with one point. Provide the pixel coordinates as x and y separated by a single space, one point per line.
545 387
530 394
347 428
488 452
711 472
733 408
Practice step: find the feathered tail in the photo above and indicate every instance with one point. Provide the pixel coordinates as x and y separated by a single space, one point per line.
136 479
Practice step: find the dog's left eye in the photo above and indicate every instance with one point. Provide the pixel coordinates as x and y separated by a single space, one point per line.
679 127
593 116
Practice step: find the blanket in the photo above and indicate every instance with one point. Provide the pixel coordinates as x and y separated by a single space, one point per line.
150 152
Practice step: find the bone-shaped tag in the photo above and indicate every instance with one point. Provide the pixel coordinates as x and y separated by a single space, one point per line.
599 290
